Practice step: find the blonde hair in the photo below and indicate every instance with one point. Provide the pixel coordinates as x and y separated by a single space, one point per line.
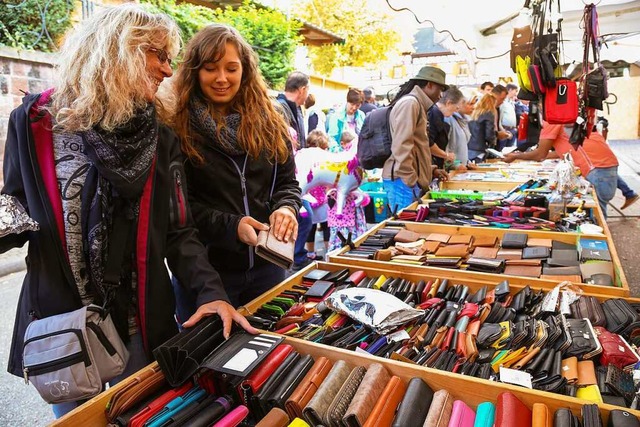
262 129
318 138
486 104
102 67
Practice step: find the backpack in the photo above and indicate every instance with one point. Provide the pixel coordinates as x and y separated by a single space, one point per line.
374 141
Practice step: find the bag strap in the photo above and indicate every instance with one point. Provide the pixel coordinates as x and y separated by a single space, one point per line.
118 245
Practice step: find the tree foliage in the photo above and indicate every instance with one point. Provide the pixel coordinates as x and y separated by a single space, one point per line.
272 35
368 38
34 24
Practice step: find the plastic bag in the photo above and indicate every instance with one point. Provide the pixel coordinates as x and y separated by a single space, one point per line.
376 309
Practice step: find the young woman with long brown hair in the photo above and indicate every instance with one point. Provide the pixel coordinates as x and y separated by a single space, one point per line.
239 167
482 127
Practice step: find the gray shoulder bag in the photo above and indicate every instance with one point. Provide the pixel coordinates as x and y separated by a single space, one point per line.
69 356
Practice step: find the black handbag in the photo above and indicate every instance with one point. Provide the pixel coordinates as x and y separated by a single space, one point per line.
583 340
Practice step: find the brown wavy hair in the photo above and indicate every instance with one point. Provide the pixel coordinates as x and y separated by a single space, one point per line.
486 104
262 129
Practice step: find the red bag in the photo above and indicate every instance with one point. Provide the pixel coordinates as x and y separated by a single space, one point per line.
561 102
523 127
615 350
537 83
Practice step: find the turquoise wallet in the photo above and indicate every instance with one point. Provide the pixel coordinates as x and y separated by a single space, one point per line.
485 415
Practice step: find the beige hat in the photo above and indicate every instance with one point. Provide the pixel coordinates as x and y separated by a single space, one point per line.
432 74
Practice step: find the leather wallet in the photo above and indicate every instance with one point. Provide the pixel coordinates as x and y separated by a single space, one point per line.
384 411
316 410
150 408
590 393
591 416
181 356
615 349
308 387
337 409
523 270
275 251
275 418
586 373
547 243
371 387
541 416
484 241
511 412
565 418
259 401
462 415
438 237
535 252
453 251
485 252
254 382
570 369
440 410
319 289
485 415
620 418
202 413
509 254
233 418
290 382
145 384
458 239
415 405
514 241
406 236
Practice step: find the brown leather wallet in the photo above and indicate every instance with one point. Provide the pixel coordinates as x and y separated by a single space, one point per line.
458 239
385 409
453 250
338 407
406 236
430 247
316 410
541 416
485 252
308 387
586 373
547 243
562 278
525 262
136 389
509 254
275 251
370 389
275 418
570 369
523 270
484 241
531 353
440 409
438 237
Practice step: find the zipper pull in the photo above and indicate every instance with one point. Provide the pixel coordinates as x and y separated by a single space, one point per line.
25 371
178 178
243 182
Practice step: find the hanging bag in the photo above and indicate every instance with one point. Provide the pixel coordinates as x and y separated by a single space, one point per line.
561 102
69 356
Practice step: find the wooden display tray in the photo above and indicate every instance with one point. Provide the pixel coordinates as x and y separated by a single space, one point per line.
472 390
621 287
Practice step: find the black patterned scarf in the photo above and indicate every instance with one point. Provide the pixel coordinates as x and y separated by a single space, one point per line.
225 138
121 161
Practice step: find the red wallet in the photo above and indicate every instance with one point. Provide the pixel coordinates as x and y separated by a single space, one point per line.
143 416
261 374
511 412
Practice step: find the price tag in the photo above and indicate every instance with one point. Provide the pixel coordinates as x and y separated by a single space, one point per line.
513 376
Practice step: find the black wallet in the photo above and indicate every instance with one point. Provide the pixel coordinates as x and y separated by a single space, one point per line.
486 265
564 418
338 276
290 382
514 241
535 252
259 401
314 275
591 416
181 356
238 356
620 418
415 404
319 289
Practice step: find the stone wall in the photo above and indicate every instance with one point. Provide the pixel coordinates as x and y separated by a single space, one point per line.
20 71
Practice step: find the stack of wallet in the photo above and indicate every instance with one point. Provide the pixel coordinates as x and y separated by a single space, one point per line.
560 344
515 255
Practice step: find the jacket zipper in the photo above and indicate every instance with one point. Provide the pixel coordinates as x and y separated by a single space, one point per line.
66 267
243 187
102 338
180 206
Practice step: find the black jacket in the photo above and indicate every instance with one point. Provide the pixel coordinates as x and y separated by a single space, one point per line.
217 200
483 132
164 230
438 132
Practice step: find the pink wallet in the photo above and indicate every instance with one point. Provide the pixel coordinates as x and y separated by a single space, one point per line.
233 418
462 415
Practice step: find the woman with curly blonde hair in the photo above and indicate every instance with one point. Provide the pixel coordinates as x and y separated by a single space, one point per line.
482 127
93 165
240 170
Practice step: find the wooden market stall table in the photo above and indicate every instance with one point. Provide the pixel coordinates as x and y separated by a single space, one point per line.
620 288
471 390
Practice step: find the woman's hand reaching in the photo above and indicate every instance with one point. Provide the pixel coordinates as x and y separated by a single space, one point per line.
284 224
247 230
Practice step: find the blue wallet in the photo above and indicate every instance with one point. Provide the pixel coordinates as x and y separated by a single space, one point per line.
175 406
485 415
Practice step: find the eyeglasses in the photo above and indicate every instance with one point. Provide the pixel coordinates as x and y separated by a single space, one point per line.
162 54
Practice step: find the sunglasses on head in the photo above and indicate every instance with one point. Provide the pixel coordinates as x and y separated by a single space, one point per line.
162 55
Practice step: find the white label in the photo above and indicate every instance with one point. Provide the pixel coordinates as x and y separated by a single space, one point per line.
513 376
359 350
242 360
398 336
